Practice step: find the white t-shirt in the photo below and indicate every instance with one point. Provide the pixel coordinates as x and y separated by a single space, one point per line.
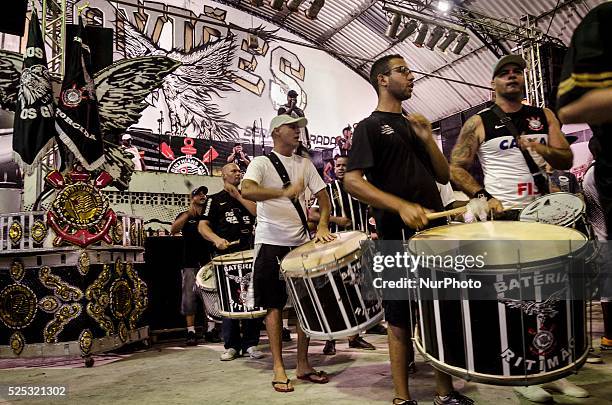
278 222
136 159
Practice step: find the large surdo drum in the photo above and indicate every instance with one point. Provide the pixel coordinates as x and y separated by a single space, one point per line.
332 296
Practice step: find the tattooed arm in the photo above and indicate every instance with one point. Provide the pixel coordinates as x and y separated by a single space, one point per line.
462 158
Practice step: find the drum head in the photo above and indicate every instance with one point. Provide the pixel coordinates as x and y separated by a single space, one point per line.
205 278
313 255
241 257
557 209
556 241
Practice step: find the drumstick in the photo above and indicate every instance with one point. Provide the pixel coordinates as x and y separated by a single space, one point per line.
457 211
234 242
442 214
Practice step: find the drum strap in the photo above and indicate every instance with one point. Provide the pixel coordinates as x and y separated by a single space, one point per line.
539 178
282 172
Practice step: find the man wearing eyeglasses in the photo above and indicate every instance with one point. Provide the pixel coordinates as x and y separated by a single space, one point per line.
401 162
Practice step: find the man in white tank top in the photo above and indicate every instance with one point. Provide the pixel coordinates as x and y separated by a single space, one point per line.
508 182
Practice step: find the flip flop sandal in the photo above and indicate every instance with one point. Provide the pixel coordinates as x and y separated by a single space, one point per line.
321 374
285 383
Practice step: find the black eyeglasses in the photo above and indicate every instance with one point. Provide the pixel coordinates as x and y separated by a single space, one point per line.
404 70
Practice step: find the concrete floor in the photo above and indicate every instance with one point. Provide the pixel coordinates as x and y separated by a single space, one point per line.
169 373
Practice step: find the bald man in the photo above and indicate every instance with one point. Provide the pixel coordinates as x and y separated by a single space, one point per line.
227 222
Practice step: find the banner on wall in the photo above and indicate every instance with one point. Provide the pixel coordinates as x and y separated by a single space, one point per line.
224 87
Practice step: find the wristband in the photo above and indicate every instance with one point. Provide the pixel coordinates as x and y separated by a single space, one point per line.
483 193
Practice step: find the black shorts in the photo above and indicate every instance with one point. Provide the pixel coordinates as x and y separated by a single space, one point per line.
397 313
269 286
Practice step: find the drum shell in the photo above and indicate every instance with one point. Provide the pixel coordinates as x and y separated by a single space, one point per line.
210 295
233 273
336 300
533 333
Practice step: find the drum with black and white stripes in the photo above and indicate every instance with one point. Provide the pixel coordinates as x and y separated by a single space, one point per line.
332 295
526 324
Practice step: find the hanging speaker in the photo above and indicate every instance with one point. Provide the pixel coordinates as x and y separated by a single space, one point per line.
100 41
12 20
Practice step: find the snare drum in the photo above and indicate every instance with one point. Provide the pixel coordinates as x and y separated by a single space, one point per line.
234 272
563 209
332 296
523 326
206 284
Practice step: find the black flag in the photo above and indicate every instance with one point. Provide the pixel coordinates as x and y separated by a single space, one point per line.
77 119
34 124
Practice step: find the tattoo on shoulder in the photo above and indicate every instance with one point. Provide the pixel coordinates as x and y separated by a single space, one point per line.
467 142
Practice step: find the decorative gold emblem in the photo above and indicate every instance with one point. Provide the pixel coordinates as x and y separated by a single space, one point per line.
49 304
39 231
120 299
81 205
17 306
15 232
62 317
17 271
123 332
139 294
133 235
117 233
83 263
63 290
17 342
80 214
99 300
85 342
119 267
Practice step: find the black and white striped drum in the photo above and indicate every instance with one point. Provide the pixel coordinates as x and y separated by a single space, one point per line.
563 209
525 325
234 272
206 282
331 294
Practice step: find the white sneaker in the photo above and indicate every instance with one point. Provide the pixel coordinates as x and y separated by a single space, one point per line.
254 353
230 354
567 388
534 393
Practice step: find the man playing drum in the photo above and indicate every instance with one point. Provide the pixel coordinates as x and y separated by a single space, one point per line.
508 179
227 222
347 214
402 163
281 227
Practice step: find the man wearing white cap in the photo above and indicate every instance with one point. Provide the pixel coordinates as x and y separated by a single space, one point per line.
281 226
126 144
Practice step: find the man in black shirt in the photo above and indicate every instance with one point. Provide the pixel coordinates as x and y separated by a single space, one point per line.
227 222
195 255
292 109
347 214
401 162
239 157
585 95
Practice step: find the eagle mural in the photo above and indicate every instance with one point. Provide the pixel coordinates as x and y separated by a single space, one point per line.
204 72
121 89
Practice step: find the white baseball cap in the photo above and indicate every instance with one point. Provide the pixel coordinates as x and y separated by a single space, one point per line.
126 137
284 119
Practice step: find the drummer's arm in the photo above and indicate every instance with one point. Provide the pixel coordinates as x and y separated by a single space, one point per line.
208 234
557 152
254 192
323 233
462 157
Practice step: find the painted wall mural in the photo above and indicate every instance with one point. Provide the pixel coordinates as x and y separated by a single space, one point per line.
228 87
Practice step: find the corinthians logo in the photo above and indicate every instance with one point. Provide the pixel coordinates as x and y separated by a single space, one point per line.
188 165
